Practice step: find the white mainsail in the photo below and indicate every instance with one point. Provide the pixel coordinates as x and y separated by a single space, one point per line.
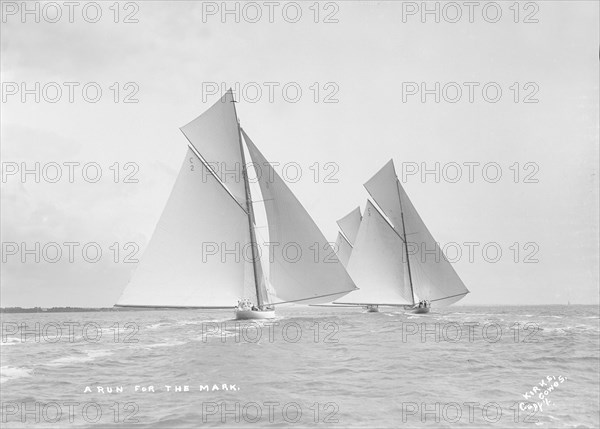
343 249
349 225
377 263
179 267
433 277
303 265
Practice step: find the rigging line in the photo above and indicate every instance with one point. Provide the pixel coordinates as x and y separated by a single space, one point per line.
451 296
333 305
182 307
383 217
363 304
345 238
212 172
308 299
342 229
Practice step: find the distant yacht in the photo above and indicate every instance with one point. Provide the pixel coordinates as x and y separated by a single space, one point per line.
207 209
380 263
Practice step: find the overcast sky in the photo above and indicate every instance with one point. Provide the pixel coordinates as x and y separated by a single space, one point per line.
369 57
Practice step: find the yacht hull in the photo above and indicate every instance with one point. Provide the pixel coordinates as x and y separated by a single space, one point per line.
254 314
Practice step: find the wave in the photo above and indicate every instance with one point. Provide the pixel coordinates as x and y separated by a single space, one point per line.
156 326
87 356
199 322
173 344
8 373
10 341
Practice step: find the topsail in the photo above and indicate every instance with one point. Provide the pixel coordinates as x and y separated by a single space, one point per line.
215 136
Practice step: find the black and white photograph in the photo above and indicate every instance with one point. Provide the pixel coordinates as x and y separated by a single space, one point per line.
300 214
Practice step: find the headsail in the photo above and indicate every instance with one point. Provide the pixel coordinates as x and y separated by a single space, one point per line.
186 263
377 263
433 277
303 265
349 225
343 249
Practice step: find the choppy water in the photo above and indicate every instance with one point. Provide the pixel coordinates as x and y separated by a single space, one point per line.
318 367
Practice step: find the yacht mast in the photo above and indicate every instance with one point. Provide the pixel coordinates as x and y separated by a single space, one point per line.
250 211
412 291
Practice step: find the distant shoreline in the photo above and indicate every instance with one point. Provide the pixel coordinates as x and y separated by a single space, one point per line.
69 309
13 310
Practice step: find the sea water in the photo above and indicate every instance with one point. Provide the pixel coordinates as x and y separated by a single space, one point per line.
311 367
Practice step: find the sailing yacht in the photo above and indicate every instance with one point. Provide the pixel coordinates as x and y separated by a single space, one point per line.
204 252
395 261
